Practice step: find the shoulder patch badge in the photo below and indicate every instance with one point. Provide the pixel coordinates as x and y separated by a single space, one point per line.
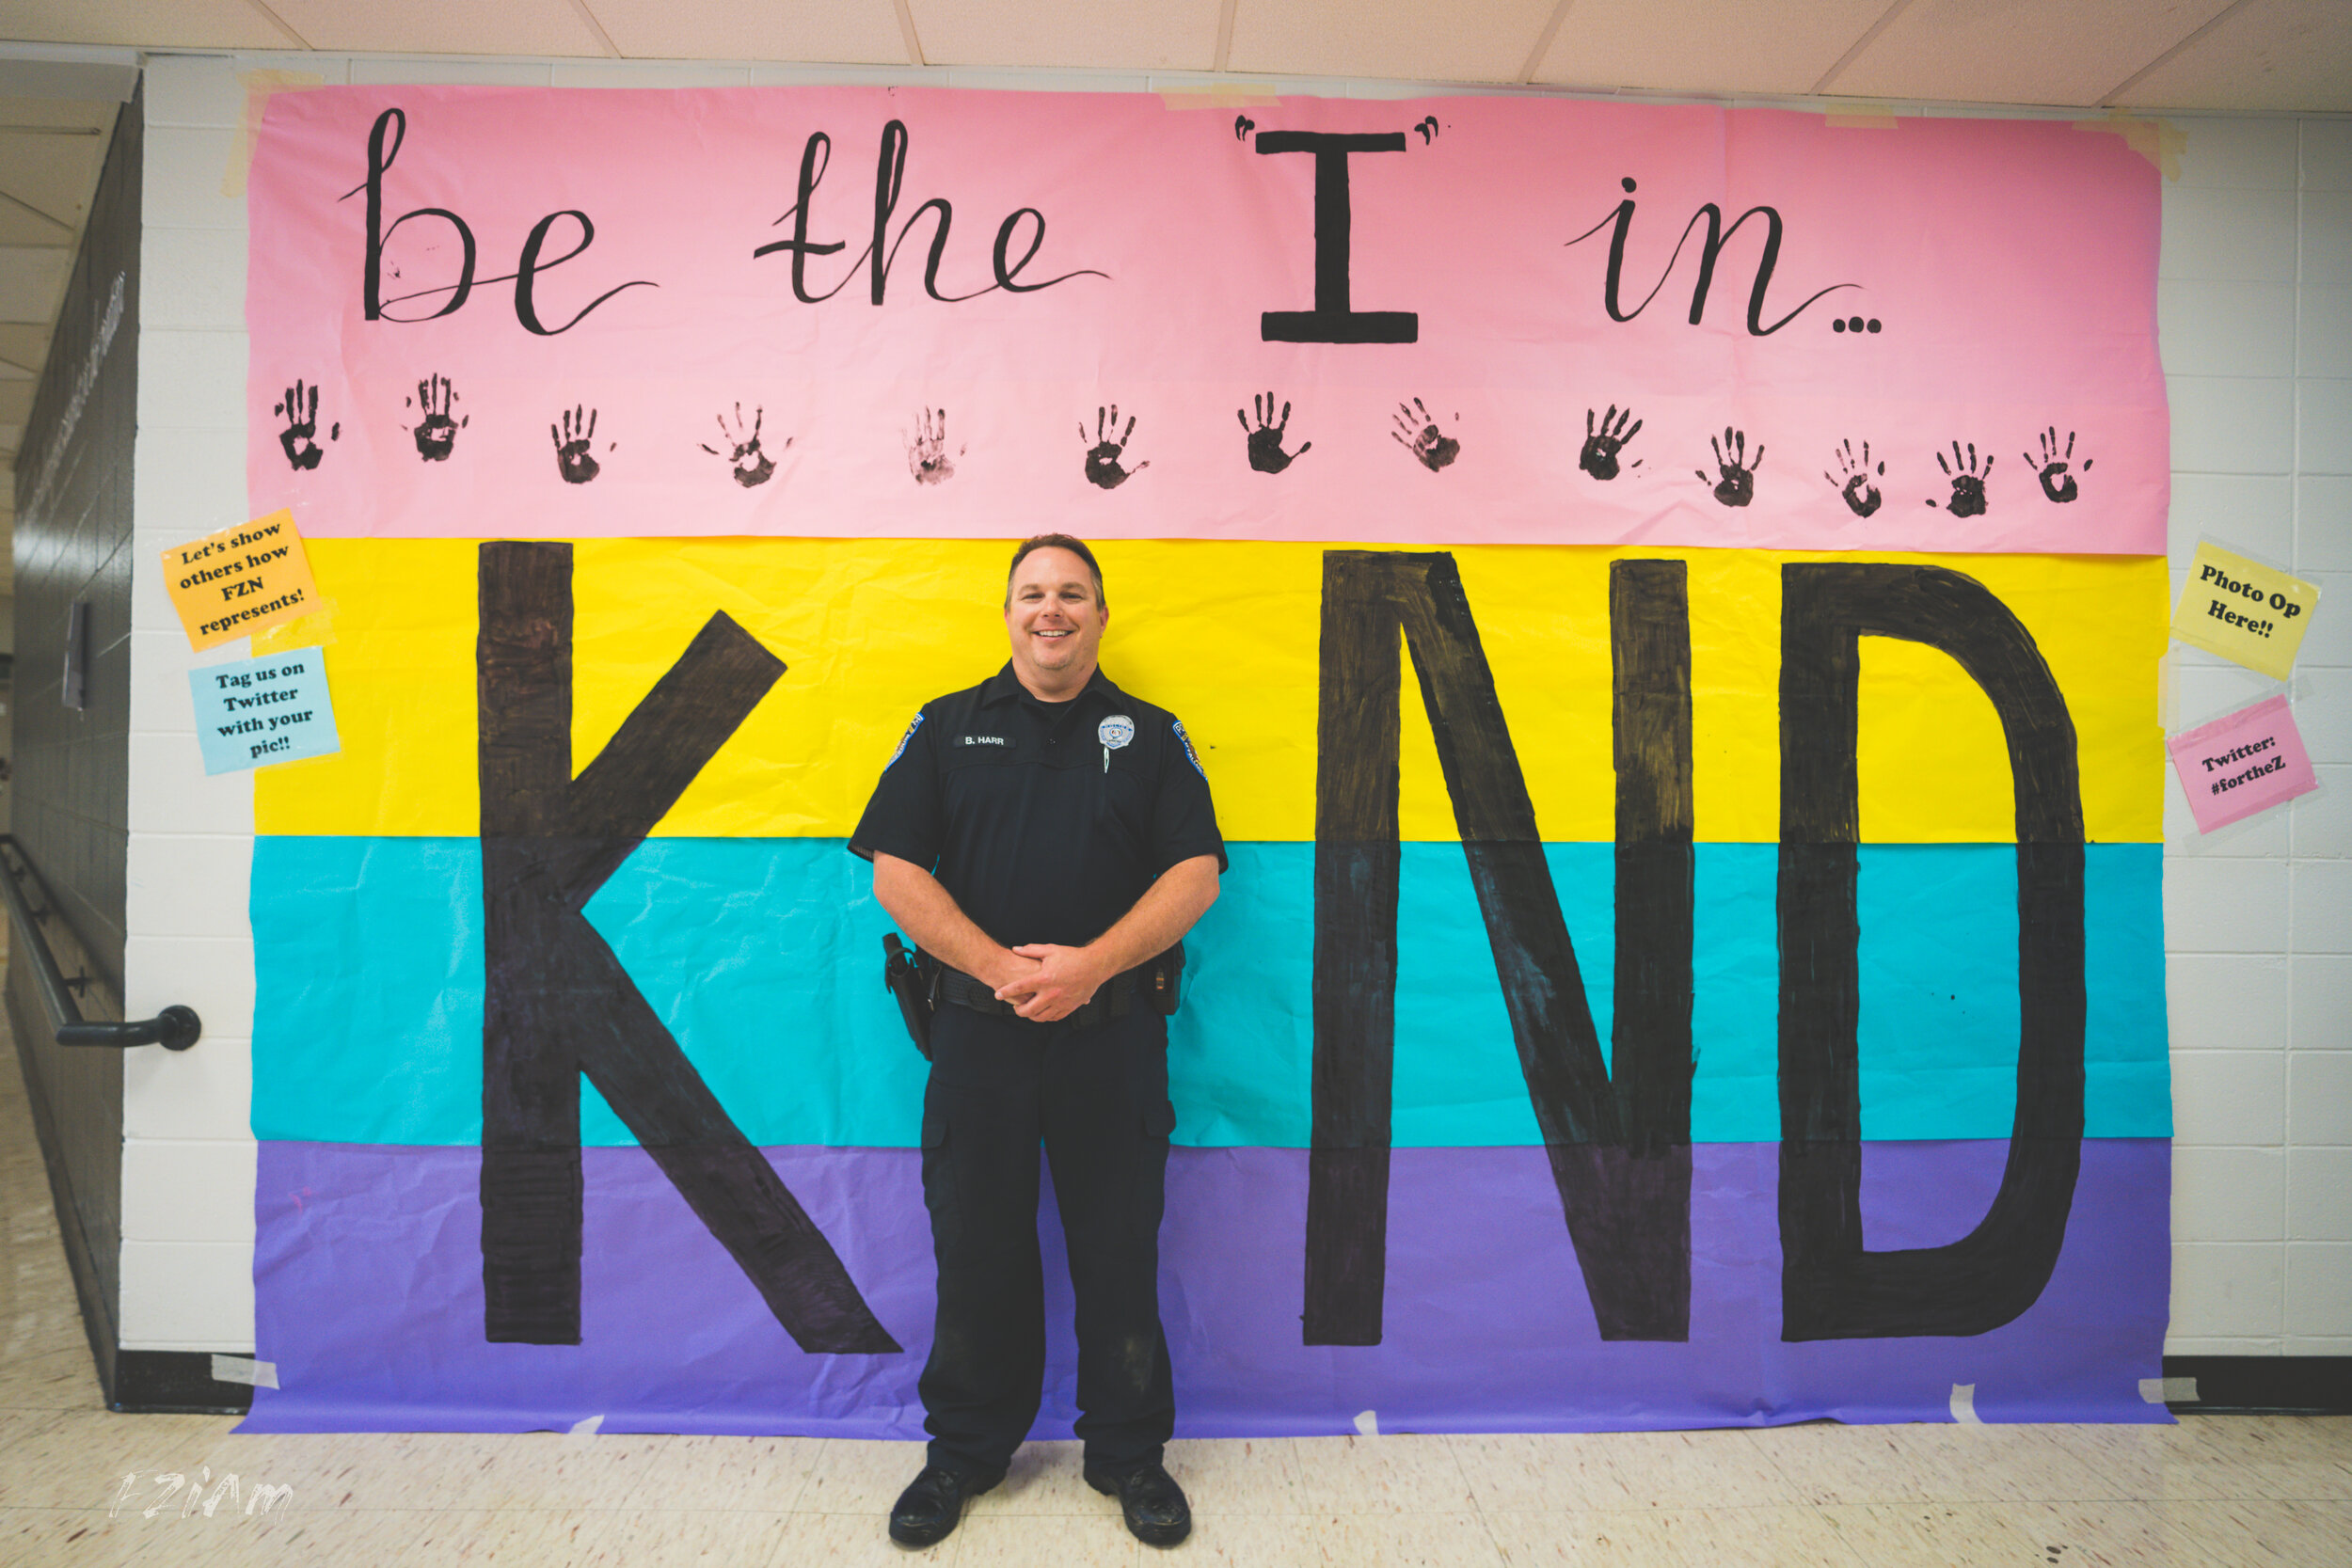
902 743
1190 756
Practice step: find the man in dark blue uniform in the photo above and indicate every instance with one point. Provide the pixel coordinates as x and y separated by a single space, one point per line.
1047 840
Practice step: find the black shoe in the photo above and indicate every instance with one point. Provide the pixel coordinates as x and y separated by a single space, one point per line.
1154 1505
928 1508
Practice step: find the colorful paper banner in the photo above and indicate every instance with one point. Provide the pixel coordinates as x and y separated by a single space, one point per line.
1667 600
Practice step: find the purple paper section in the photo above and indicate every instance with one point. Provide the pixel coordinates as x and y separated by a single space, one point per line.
367 1276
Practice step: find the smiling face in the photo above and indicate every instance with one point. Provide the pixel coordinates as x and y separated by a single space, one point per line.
1055 618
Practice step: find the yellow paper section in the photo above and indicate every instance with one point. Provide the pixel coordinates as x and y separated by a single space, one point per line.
1226 636
2244 610
1929 746
240 580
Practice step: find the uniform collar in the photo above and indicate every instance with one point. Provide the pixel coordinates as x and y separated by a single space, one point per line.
1004 686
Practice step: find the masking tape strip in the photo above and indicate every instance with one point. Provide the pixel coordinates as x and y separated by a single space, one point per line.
1965 1404
245 1369
259 87
2169 1390
2159 141
1368 1423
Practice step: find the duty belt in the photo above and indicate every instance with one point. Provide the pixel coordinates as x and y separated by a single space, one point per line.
1152 985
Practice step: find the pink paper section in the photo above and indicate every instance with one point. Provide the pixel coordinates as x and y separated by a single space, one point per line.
2246 763
2010 263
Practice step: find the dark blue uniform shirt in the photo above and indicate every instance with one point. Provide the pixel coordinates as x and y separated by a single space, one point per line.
1044 821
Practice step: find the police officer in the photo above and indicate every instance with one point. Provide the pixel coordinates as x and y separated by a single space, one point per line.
1046 839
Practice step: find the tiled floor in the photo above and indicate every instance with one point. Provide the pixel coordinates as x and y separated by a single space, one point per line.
2213 1490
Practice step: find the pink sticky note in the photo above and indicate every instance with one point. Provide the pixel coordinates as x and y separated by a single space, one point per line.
2248 762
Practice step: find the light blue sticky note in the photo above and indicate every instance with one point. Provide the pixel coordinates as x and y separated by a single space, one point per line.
258 711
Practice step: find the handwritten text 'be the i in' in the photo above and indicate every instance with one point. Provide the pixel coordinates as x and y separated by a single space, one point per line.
258 711
240 580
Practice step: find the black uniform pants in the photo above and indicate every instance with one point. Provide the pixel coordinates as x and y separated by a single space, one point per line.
1097 1099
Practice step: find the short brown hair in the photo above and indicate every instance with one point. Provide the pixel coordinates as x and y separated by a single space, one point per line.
1056 541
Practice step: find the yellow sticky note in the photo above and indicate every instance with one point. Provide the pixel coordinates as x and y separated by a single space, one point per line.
2244 610
237 581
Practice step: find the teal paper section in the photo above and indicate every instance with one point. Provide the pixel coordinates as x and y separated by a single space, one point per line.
1938 1034
368 985
763 957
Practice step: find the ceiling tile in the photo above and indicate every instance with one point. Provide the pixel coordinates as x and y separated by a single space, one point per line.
1128 34
26 346
31 282
19 226
857 31
1705 45
56 175
202 23
1469 40
442 26
2273 54
2019 51
56 114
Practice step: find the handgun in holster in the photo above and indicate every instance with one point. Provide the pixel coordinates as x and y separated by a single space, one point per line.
1163 978
907 979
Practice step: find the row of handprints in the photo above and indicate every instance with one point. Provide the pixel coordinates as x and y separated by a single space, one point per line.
744 445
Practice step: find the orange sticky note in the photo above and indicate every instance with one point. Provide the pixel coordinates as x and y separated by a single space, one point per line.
237 581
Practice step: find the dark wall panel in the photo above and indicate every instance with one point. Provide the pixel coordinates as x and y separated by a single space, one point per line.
72 807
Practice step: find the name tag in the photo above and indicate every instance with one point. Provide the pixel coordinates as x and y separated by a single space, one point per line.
1000 742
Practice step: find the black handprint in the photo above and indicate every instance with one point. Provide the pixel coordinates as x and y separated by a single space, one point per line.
1602 446
435 432
1967 484
1737 487
571 446
1417 431
2056 482
302 427
1861 497
752 466
1243 125
1102 467
1428 129
1265 442
927 449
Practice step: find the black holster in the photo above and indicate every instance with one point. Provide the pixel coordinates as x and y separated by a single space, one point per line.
1163 978
911 986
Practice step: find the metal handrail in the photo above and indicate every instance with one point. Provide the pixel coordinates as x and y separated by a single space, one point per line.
175 1028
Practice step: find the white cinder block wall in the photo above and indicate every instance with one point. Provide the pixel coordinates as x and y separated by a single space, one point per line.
2255 305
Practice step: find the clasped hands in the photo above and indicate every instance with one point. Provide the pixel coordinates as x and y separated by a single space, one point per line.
1053 982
